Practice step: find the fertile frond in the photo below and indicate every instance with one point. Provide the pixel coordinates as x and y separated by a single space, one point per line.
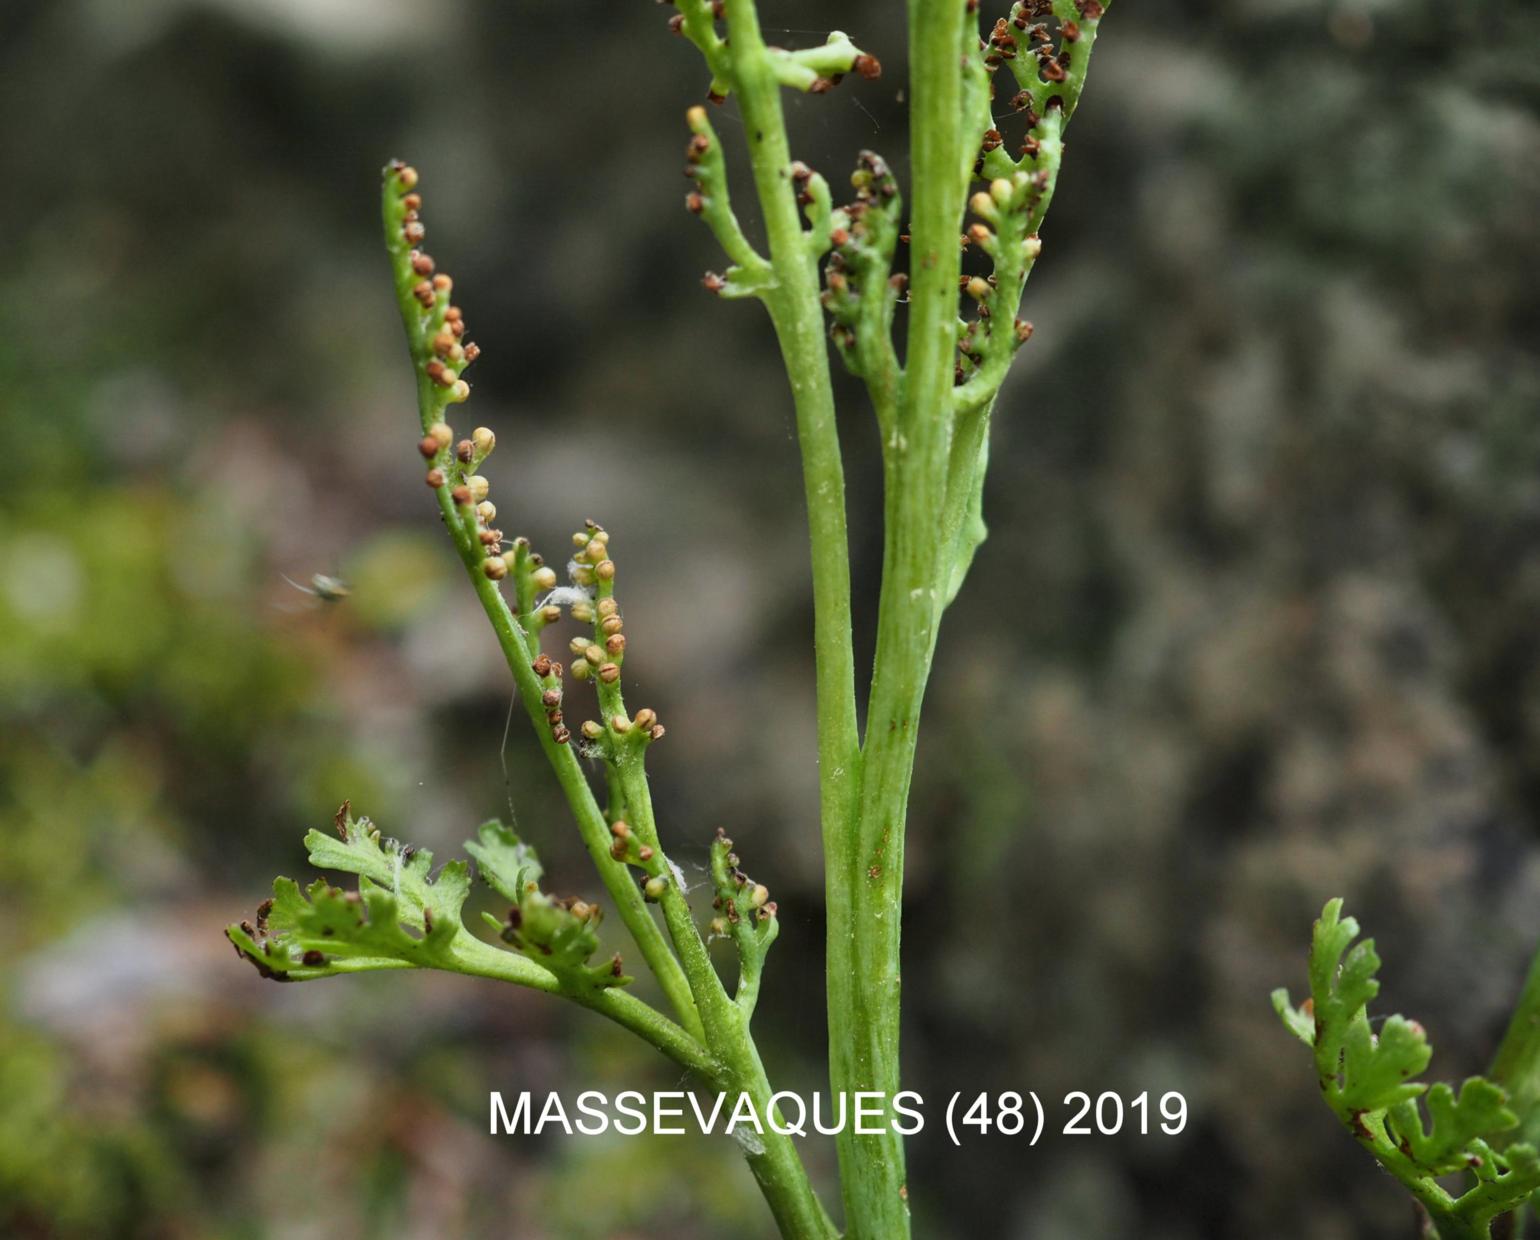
558 934
745 913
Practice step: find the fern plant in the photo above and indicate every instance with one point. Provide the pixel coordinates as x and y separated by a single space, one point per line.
1479 1141
825 273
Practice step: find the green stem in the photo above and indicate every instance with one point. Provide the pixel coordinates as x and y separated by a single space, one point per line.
776 1164
711 998
773 1158
797 316
934 439
778 1168
1450 1218
1516 1066
478 959
915 470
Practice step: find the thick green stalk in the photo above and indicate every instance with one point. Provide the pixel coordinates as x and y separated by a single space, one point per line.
915 471
797 316
798 319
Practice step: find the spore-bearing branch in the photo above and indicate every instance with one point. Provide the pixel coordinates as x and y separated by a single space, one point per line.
1048 65
469 513
860 291
626 839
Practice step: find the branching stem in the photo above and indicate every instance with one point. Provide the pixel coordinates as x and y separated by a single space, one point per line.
934 434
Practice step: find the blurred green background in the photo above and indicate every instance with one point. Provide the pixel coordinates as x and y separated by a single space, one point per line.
1255 626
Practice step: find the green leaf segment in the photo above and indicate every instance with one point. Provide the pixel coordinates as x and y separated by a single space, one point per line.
402 916
1367 1079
